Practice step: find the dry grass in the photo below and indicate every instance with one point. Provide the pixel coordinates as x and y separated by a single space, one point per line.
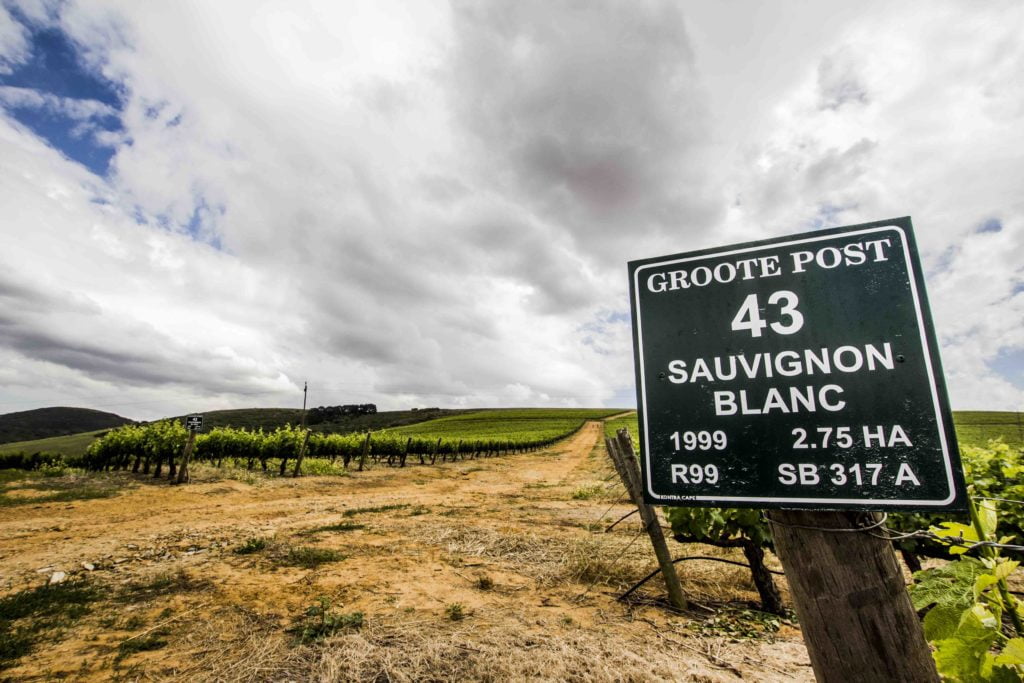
468 650
589 559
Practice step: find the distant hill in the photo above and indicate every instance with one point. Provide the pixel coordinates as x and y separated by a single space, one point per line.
46 422
271 418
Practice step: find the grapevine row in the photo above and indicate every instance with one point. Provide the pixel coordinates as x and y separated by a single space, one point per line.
149 448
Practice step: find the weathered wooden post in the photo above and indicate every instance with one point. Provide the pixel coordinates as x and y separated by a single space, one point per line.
405 452
855 614
194 424
624 459
365 452
302 454
186 456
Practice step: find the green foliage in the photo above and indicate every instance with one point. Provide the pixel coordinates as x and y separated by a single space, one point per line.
251 545
611 427
455 611
377 508
21 460
966 600
587 492
269 419
340 526
719 526
996 471
739 624
483 432
319 622
154 640
309 557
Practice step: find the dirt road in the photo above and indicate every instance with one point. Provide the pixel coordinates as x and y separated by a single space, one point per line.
490 569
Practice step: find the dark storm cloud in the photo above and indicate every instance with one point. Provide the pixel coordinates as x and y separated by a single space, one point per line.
73 332
587 112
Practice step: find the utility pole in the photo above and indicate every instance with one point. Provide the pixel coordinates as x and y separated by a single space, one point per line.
305 438
305 389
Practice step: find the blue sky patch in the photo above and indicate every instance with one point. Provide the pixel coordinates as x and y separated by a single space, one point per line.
59 98
1010 365
990 225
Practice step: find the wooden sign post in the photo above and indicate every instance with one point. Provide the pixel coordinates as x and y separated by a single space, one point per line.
194 424
802 374
855 614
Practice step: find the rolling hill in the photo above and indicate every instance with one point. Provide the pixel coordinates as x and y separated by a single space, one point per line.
43 423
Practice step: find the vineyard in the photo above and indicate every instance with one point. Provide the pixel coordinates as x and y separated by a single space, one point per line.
473 435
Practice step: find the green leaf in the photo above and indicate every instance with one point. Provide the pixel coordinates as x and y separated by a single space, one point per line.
941 622
983 582
977 622
987 518
991 672
958 660
952 585
1004 569
1012 654
962 656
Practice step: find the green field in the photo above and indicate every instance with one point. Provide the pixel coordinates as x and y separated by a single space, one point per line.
73 445
973 427
512 423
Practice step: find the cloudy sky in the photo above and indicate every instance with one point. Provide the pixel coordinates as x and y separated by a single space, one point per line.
206 203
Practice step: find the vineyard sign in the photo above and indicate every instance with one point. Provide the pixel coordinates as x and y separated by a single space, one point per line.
799 372
194 423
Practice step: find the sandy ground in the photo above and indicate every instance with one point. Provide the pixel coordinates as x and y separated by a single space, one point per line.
490 569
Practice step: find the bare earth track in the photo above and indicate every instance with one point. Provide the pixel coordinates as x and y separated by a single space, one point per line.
515 546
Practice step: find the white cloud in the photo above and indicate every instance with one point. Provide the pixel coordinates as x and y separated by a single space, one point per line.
415 204
14 46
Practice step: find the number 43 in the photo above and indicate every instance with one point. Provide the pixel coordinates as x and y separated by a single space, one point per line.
749 315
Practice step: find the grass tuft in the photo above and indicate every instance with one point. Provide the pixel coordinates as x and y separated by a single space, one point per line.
370 510
319 622
455 612
162 584
155 640
251 545
587 492
309 557
340 526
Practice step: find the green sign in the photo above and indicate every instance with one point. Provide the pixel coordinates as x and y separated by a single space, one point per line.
799 372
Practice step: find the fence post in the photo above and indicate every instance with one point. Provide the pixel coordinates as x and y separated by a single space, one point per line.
185 457
366 451
302 455
621 451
